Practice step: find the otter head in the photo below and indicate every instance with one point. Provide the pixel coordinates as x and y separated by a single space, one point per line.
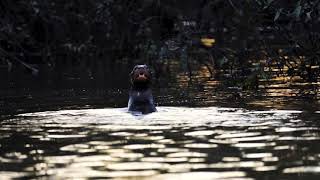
140 76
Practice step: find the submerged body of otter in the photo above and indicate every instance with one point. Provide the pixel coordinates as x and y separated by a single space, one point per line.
141 101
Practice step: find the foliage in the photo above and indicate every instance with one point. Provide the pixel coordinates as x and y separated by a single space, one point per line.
266 33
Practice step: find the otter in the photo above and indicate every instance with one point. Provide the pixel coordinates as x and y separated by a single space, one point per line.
140 95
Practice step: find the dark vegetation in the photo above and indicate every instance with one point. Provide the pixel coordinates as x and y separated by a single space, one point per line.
80 39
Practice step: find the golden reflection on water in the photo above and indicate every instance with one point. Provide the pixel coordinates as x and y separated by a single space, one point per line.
175 142
257 155
199 133
266 168
204 175
273 91
302 169
200 145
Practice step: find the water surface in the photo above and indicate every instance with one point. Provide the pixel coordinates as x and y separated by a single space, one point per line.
173 143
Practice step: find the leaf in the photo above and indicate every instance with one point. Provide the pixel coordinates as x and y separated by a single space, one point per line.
267 4
207 42
258 1
222 61
308 16
9 66
277 14
270 1
164 53
297 11
184 58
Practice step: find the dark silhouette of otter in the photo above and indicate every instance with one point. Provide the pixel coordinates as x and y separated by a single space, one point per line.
140 95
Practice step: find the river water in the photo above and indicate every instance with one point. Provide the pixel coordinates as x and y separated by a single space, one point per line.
67 132
173 143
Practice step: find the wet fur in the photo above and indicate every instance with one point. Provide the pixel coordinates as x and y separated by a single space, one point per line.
140 95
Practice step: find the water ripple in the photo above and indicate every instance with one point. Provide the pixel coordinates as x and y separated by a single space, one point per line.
173 143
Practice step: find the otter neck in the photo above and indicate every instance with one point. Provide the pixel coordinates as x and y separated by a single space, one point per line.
140 86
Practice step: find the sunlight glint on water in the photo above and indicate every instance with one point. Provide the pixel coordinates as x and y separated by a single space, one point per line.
175 142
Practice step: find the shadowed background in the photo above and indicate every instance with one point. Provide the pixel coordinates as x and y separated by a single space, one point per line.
59 54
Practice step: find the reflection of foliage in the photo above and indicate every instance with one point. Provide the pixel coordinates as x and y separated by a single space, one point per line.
249 35
296 29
